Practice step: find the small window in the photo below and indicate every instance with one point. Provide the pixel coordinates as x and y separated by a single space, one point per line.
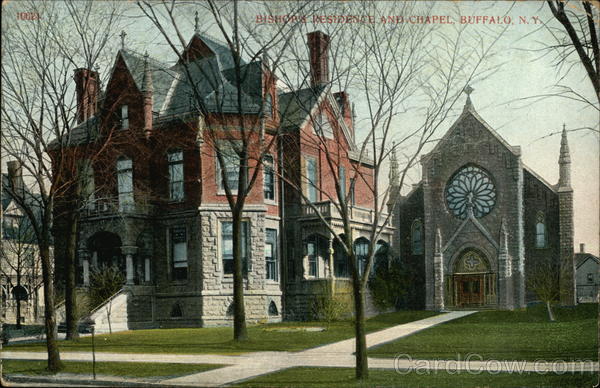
179 253
540 231
176 181
125 183
124 117
268 109
352 191
311 176
269 177
232 168
313 263
361 250
590 278
417 237
227 246
176 311
271 254
342 177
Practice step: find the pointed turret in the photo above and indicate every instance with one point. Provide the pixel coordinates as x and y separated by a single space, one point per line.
564 163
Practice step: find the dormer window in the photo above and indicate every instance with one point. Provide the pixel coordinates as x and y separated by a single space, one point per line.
124 117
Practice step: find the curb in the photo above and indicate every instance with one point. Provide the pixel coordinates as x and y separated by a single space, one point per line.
80 382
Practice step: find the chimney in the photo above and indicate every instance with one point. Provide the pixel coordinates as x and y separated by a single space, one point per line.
148 93
318 45
581 248
86 84
15 175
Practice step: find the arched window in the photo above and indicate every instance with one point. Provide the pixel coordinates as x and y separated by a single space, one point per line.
381 261
340 259
176 311
361 250
540 231
273 309
416 235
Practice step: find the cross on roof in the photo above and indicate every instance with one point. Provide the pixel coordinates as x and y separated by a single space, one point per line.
468 90
123 35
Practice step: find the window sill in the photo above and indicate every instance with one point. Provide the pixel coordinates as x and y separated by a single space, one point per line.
270 202
175 201
223 193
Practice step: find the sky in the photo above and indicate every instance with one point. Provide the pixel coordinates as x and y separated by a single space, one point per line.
502 99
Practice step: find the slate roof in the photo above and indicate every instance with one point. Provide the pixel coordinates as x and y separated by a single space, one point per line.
295 106
581 258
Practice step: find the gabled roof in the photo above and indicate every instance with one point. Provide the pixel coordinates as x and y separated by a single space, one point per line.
295 106
162 75
581 258
539 178
469 111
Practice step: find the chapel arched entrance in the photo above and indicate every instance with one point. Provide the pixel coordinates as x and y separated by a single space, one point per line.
473 281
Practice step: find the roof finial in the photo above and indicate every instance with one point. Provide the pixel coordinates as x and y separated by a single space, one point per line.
196 23
123 35
393 175
468 90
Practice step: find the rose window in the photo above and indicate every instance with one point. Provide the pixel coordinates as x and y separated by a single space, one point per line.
470 188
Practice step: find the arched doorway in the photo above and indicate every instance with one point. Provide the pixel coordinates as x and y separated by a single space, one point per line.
105 248
474 283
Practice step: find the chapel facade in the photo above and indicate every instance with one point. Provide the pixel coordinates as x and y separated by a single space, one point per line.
480 222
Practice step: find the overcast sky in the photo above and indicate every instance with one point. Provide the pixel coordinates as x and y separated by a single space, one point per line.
524 73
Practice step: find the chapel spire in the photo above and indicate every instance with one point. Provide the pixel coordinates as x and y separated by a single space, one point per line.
564 162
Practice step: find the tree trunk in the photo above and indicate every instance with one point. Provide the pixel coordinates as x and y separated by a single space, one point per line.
54 364
18 301
240 333
362 363
70 294
550 314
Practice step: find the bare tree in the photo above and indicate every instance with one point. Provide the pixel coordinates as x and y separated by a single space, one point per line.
19 263
38 110
393 68
239 152
544 282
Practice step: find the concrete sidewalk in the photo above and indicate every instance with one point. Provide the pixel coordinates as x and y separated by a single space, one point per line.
338 354
247 366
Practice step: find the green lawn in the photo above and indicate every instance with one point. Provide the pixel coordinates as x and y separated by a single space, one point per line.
506 335
124 369
344 377
218 340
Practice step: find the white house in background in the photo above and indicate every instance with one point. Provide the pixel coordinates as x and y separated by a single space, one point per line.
586 275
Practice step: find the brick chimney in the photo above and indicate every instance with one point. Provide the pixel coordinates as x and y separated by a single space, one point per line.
581 248
318 45
86 84
15 175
